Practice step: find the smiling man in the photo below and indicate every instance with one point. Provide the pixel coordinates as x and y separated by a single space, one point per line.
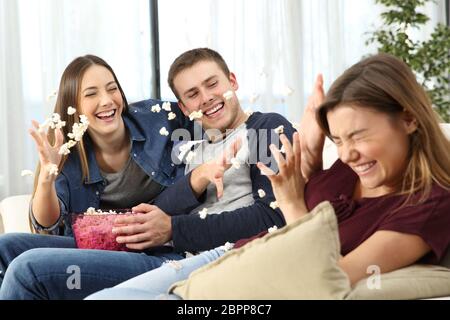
230 202
201 87
233 202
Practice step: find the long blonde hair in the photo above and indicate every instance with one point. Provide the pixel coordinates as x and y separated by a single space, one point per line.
386 84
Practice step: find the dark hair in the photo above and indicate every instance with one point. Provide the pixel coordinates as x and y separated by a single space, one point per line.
386 84
191 57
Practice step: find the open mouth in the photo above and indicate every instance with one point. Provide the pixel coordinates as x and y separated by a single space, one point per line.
364 168
106 115
213 112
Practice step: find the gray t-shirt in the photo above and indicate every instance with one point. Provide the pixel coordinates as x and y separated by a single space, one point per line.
237 184
128 187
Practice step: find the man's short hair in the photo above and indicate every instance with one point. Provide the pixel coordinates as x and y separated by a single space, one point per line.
191 57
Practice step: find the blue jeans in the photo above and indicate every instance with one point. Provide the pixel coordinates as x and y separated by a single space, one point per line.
50 267
156 283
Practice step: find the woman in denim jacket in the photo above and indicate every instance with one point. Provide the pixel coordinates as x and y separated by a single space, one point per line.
122 160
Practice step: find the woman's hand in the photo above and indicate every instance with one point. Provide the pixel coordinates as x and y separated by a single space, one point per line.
214 170
48 154
312 137
288 185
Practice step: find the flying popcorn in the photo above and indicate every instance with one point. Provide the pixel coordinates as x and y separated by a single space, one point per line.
52 95
166 106
261 193
227 246
164 132
54 122
272 229
71 111
274 205
171 115
65 148
84 120
253 98
279 130
78 130
156 108
195 115
203 213
248 112
296 126
53 169
26 173
235 163
228 95
59 125
287 91
56 117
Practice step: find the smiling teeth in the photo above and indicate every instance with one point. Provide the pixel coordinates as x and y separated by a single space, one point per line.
211 111
364 167
106 114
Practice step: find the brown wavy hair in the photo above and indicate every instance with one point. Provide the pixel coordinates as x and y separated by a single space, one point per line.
69 96
386 84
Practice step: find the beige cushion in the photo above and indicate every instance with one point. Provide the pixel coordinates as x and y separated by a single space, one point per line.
296 262
300 262
414 282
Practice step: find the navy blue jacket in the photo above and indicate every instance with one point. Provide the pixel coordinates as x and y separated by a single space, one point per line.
150 150
191 233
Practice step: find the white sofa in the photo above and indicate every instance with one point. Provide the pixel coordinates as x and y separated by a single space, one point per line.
14 213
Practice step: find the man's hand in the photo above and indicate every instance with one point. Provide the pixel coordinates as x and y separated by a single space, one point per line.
213 171
151 228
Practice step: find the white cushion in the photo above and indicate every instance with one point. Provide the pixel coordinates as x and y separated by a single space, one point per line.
14 211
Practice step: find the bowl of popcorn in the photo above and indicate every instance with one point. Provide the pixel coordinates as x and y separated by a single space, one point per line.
93 229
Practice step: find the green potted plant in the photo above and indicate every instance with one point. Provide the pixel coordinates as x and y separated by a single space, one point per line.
430 59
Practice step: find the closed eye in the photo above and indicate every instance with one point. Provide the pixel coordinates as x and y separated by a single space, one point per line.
337 142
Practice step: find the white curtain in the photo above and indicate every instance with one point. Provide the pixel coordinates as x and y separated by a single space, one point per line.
276 47
38 38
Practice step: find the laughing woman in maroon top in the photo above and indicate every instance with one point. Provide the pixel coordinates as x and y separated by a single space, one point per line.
390 187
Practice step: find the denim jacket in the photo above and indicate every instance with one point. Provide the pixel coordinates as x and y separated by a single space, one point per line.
150 150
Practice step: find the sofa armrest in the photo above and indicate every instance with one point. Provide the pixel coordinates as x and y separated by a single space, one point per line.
14 212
